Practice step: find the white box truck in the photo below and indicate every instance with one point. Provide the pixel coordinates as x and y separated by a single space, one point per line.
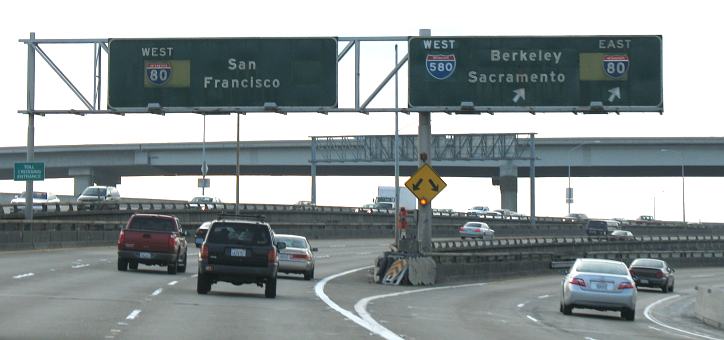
386 196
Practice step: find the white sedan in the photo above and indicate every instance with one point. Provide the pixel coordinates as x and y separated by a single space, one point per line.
39 200
476 230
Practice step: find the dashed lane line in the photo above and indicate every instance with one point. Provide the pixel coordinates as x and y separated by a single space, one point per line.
22 276
133 314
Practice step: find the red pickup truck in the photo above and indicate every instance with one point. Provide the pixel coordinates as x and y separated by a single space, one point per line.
152 240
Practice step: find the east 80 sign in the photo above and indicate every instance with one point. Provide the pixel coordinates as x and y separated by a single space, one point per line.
622 73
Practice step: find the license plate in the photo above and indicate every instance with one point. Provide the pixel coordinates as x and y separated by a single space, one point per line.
645 281
144 255
284 257
600 285
238 252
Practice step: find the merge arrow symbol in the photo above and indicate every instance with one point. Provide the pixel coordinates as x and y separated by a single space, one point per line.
416 186
434 185
615 93
519 94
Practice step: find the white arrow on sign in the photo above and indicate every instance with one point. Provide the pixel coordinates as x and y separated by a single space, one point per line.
615 93
519 94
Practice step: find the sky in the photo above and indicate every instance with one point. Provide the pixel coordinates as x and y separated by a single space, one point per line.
691 74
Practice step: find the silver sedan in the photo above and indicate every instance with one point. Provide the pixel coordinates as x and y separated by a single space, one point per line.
297 257
476 230
600 285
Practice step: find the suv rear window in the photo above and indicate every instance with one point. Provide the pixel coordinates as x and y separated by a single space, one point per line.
597 224
152 223
239 233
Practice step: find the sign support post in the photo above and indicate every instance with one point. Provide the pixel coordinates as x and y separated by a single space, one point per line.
31 126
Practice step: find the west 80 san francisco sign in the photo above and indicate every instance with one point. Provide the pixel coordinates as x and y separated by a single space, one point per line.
621 73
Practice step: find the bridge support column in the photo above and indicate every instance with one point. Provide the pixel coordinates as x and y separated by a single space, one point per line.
508 182
82 178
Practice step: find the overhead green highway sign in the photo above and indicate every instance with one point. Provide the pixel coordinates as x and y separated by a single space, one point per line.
536 74
29 171
187 74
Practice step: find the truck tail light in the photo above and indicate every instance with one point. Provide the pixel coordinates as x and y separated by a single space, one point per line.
271 256
625 285
121 240
578 282
204 253
171 241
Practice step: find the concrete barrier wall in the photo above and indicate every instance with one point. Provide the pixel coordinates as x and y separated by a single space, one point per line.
475 266
710 306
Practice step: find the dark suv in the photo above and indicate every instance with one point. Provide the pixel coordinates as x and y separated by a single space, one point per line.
239 251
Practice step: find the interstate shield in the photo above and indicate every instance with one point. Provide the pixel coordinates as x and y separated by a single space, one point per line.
440 66
158 73
615 66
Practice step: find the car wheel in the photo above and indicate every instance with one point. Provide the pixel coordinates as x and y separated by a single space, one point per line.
122 265
671 289
203 286
133 265
172 267
628 314
309 275
182 265
566 309
665 288
270 289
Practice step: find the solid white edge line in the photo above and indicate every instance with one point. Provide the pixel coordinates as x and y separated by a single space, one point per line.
647 314
23 275
319 290
157 291
133 314
361 306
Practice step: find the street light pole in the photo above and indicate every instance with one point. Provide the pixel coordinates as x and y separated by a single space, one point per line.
569 190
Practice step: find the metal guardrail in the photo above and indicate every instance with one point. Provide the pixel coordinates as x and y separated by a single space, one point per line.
477 245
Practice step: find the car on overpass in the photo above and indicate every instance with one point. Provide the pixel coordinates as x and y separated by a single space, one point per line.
621 235
98 197
478 210
476 229
601 285
204 202
40 199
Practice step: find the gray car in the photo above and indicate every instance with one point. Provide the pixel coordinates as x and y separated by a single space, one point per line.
601 285
653 273
476 230
297 257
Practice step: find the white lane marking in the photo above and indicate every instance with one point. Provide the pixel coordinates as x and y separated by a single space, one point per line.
322 256
195 275
544 296
521 305
123 323
319 290
133 314
702 276
23 275
172 283
80 266
531 318
589 338
361 306
157 291
648 315
115 330
109 337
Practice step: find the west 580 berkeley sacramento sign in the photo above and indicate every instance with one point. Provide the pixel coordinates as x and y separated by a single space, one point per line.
536 73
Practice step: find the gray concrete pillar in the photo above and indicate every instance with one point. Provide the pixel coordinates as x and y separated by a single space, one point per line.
82 178
508 182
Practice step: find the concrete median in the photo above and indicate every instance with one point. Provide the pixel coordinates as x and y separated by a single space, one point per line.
710 305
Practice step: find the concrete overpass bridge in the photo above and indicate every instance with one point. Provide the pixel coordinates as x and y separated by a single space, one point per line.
502 157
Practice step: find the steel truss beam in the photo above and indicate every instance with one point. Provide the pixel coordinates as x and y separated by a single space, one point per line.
463 147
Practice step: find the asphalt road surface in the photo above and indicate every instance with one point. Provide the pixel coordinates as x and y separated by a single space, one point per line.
79 294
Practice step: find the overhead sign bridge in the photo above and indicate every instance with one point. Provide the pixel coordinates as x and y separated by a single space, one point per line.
589 74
